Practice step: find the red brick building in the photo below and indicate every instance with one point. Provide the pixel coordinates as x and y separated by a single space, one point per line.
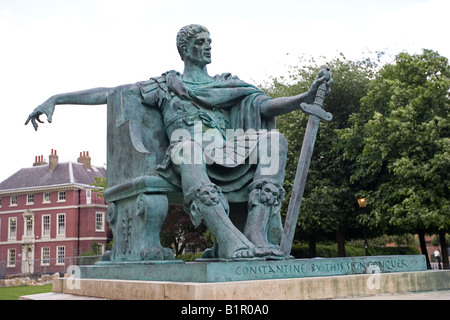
49 214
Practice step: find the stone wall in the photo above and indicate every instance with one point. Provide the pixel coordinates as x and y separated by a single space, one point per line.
15 281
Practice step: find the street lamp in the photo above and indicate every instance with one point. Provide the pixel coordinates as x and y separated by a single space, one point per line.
362 204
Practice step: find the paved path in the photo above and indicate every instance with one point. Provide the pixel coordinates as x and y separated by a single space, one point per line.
56 296
426 295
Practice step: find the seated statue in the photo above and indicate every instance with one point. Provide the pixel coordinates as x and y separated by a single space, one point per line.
222 138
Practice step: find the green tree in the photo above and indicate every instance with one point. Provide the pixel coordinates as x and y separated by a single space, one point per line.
400 142
100 184
329 204
179 232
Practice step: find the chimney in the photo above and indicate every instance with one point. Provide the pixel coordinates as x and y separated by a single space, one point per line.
39 161
53 161
85 159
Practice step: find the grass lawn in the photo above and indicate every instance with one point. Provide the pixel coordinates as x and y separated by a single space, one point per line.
13 293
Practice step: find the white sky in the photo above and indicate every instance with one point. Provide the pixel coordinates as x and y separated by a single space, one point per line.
56 46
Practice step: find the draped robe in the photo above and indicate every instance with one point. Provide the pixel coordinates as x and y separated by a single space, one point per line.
224 103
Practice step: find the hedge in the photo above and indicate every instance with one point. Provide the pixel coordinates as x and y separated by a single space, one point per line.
328 251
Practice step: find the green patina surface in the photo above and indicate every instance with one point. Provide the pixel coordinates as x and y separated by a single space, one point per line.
253 270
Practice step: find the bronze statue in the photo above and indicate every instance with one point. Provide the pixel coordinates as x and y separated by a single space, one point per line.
222 139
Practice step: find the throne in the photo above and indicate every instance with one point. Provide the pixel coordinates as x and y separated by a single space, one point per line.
138 197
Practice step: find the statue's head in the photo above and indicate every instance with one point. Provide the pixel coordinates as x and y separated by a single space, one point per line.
185 35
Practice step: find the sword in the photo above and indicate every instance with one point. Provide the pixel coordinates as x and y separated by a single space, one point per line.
316 113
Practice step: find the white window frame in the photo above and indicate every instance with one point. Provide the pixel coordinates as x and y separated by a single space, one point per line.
88 196
30 199
13 201
28 230
49 197
12 235
60 249
99 217
49 229
61 230
45 256
11 262
61 196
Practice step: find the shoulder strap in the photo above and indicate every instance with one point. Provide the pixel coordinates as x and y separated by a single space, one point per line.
152 84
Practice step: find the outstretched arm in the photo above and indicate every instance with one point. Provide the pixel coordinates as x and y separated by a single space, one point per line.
85 97
283 105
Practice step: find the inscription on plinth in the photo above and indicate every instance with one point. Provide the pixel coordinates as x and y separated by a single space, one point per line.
253 270
318 267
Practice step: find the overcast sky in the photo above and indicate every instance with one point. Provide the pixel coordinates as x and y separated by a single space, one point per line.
56 46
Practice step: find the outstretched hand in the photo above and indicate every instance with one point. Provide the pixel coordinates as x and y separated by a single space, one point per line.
47 108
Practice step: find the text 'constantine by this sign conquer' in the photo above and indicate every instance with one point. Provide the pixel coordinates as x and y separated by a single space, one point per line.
318 267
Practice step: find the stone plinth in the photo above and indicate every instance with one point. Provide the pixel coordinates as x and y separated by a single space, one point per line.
277 289
207 271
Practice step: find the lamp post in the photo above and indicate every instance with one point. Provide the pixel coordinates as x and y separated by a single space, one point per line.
362 204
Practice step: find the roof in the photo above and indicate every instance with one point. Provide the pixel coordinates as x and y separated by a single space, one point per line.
65 173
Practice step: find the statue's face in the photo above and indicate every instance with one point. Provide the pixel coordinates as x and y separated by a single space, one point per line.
199 49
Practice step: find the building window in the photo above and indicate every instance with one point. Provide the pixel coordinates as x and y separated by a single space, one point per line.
12 234
45 256
11 258
88 196
61 226
46 226
30 198
0 202
29 226
99 221
13 201
60 254
46 197
62 196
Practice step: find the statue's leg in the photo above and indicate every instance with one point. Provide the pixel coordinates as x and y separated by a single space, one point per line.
205 203
272 155
263 226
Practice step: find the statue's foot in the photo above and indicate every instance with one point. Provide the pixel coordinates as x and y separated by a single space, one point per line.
270 251
208 204
230 254
157 253
244 253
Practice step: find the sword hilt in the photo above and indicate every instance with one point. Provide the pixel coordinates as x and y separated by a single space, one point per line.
320 94
316 108
322 90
